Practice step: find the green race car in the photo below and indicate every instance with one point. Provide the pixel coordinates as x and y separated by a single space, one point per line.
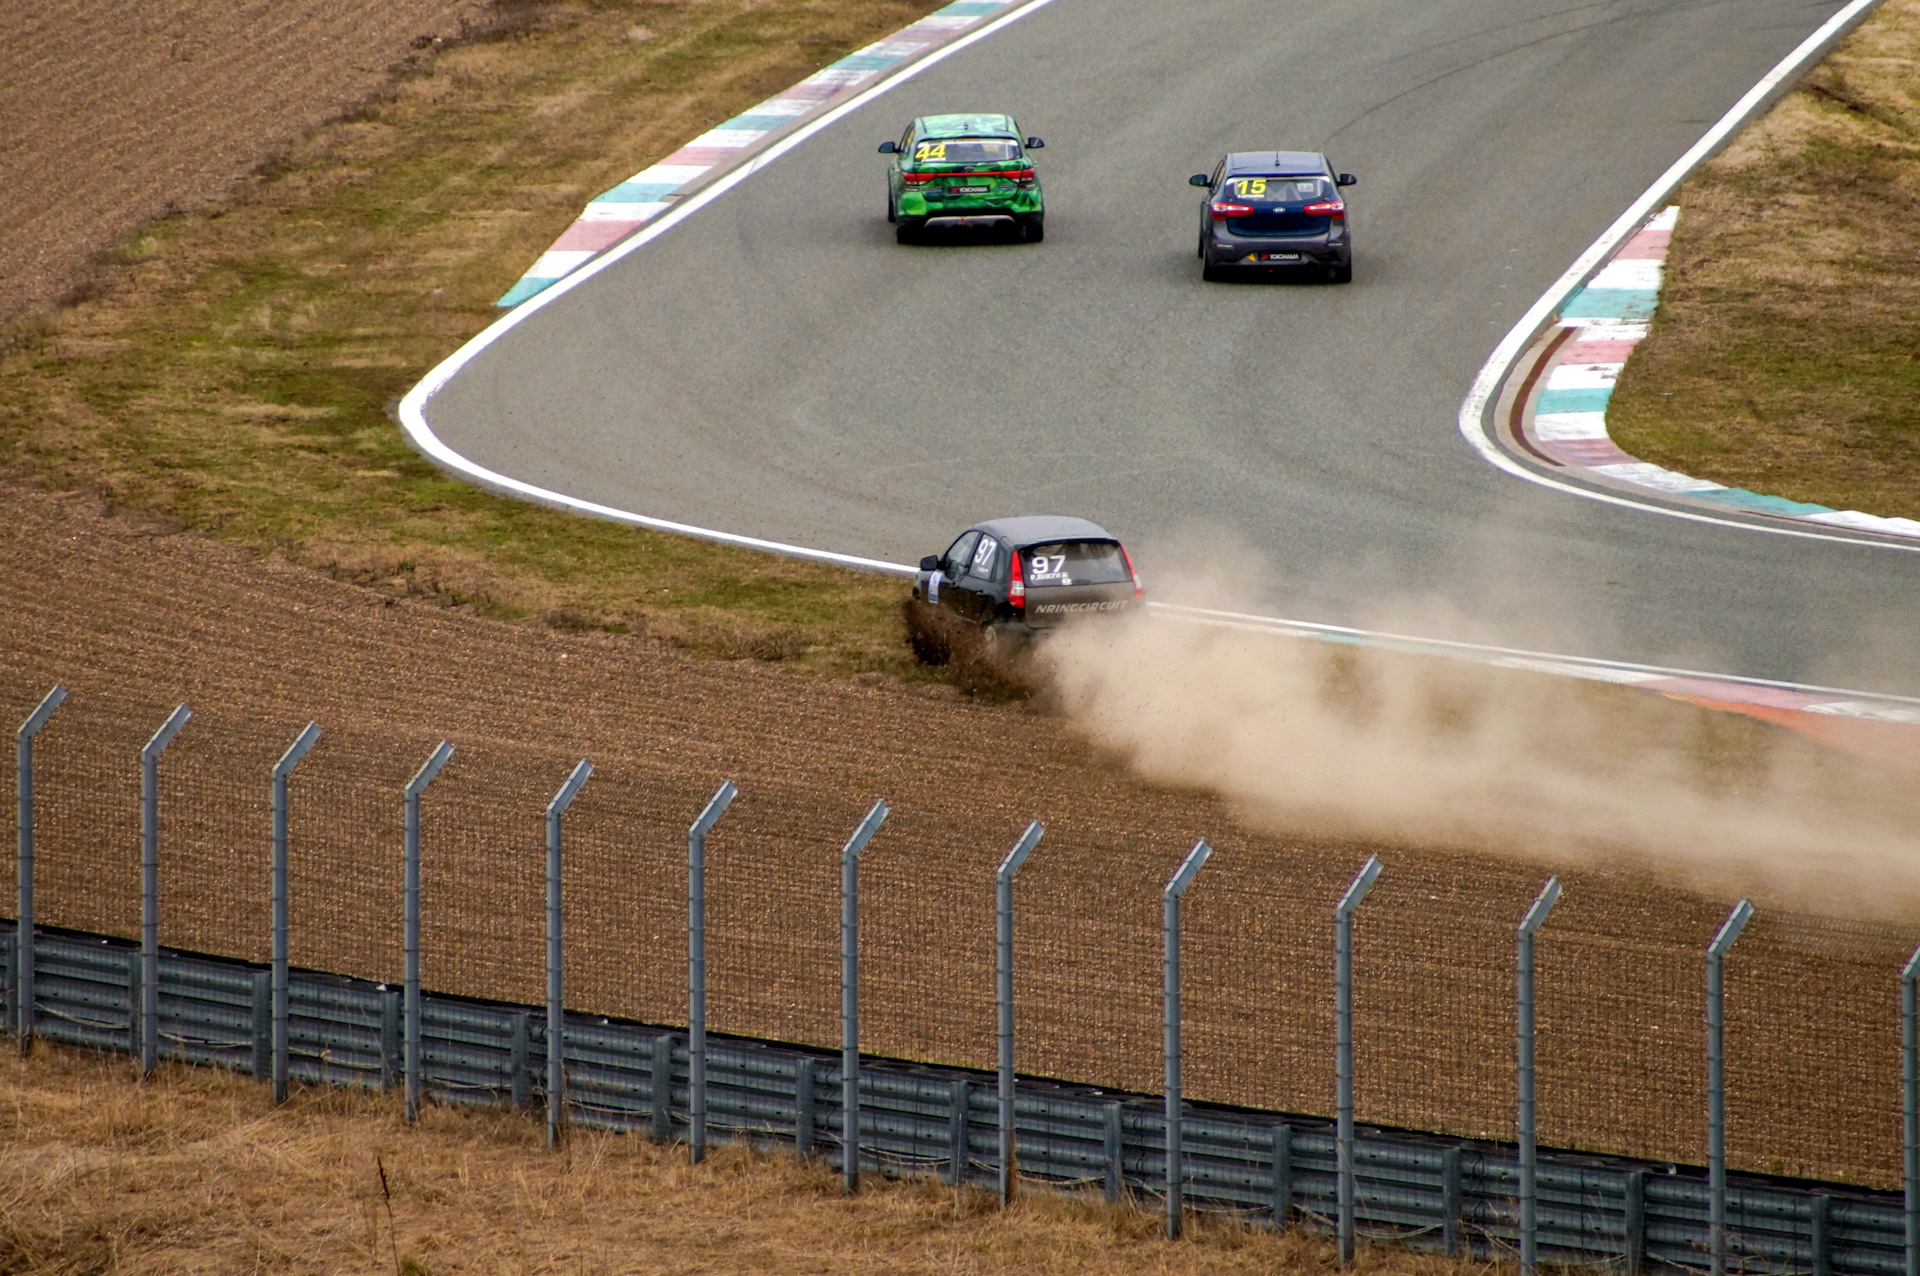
963 170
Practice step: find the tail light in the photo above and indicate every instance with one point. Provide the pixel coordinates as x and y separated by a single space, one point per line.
1017 589
1022 176
1327 208
1223 211
917 179
1139 590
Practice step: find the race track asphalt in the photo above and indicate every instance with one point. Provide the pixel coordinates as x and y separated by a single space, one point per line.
777 366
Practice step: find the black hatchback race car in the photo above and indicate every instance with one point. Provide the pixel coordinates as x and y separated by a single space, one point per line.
1023 575
1268 210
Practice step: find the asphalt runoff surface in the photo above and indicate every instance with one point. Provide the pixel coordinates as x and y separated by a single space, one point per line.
777 366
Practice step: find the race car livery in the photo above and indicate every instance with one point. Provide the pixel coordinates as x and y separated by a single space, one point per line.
955 170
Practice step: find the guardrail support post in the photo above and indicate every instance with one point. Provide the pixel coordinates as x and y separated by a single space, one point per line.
556 1012
1634 1211
697 968
1529 1220
1282 1177
1343 1044
1170 898
850 994
1717 1078
1003 951
1910 1101
23 930
150 887
411 905
282 771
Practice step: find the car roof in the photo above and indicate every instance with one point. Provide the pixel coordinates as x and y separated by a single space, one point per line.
1277 162
1038 529
966 126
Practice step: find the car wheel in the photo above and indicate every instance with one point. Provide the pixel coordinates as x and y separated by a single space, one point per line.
892 217
1342 274
1033 228
905 231
1210 272
1200 248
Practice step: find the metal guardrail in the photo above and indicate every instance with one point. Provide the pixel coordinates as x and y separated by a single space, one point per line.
1421 1190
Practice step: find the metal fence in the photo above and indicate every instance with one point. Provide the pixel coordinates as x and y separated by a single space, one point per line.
338 849
1459 1197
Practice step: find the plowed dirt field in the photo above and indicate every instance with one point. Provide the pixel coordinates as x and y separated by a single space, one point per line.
118 110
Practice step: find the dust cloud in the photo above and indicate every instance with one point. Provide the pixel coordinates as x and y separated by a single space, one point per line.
1313 738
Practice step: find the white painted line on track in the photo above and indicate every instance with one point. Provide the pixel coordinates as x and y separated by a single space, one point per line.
1848 703
413 418
1486 386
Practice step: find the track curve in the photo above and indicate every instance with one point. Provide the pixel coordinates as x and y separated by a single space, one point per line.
775 366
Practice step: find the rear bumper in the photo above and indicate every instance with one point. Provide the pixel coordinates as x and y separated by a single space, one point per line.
1251 252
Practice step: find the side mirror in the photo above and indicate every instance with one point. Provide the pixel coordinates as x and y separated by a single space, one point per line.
889 148
1346 179
1034 144
931 563
1199 179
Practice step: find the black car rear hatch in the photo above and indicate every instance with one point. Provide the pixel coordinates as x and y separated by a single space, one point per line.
1068 580
1279 205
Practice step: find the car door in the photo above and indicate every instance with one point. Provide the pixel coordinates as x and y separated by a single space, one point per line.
894 182
978 589
944 588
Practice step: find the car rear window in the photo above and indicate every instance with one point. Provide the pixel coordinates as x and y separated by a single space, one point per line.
966 150
1075 563
1276 190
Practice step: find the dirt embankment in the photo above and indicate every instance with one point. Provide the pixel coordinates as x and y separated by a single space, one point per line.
133 622
117 112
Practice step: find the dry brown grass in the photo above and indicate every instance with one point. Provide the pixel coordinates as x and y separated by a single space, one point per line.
232 371
197 1172
1783 357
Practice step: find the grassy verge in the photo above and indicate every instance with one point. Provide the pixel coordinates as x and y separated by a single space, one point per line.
234 373
198 1171
1783 358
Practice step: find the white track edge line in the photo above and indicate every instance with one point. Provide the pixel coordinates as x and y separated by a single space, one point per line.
413 405
1249 620
412 410
1500 363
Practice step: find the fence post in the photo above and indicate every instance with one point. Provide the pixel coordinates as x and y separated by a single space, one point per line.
1343 1043
1529 1221
850 994
1717 1079
411 903
1910 1096
1003 986
150 887
1170 898
282 771
556 1014
23 929
697 969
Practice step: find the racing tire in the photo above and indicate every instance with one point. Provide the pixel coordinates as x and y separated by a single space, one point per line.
1032 228
906 231
1341 274
1210 272
892 217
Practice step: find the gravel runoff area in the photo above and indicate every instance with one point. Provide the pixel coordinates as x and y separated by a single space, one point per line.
132 621
118 111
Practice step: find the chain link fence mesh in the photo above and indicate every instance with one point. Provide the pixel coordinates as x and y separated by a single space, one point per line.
1813 1027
